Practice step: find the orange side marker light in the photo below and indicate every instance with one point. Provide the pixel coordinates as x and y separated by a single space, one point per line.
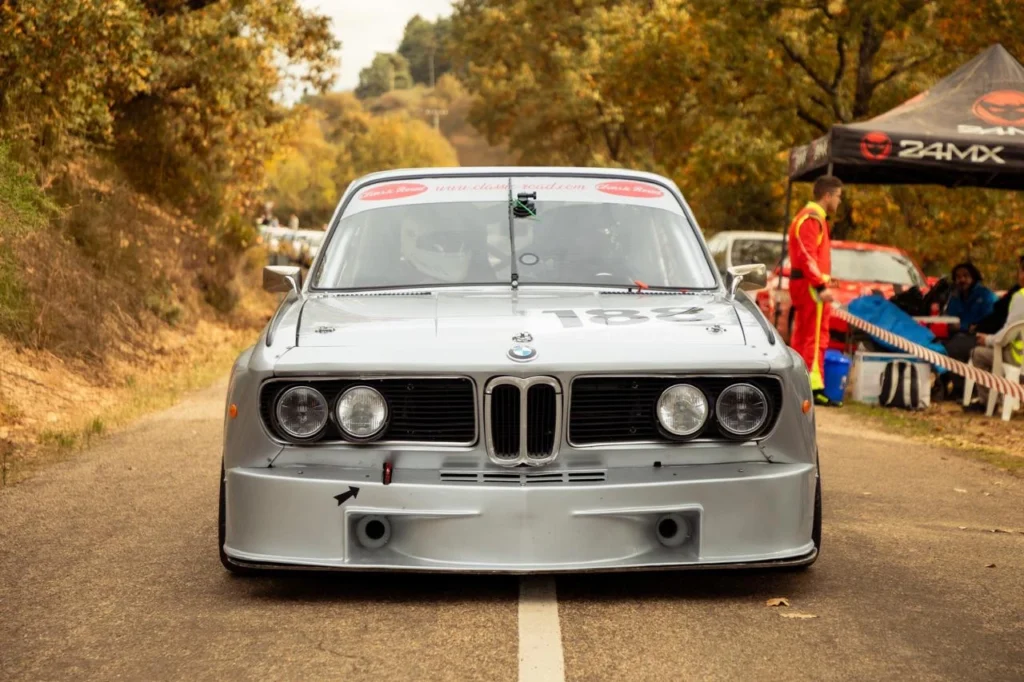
807 406
233 410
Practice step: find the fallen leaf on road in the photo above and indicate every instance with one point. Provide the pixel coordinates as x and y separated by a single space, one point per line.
962 527
991 566
796 614
987 494
777 601
959 490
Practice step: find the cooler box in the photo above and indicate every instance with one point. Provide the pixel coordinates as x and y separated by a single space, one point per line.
867 375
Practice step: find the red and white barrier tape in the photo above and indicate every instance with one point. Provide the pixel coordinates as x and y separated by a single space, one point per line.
979 376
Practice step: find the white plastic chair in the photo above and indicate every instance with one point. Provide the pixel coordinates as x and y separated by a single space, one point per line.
1010 372
968 385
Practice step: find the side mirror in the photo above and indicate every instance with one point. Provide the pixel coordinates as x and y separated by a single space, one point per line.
277 278
747 277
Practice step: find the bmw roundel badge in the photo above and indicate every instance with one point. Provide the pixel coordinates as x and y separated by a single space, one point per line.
521 352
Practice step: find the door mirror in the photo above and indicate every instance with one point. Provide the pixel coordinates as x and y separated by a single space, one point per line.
278 278
747 277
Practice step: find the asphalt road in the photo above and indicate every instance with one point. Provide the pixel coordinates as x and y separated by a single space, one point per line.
109 570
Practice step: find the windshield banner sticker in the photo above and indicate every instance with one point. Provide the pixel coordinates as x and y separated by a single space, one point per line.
392 190
495 189
625 188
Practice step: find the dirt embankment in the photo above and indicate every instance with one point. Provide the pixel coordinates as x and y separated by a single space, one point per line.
110 306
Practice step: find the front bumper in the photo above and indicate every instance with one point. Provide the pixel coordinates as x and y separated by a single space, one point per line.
732 514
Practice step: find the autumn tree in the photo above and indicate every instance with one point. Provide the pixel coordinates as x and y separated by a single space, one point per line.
425 46
185 91
339 141
387 72
201 131
598 83
714 94
52 105
825 62
301 176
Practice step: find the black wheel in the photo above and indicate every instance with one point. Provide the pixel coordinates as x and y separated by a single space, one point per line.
221 527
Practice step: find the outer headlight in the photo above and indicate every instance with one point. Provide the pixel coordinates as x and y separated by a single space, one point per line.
301 412
742 409
361 412
683 409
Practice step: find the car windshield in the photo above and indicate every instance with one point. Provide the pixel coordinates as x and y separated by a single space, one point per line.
874 266
747 251
454 232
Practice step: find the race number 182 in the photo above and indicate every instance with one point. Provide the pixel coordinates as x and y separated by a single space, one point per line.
621 316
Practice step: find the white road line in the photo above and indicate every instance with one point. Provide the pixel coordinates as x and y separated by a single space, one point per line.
540 635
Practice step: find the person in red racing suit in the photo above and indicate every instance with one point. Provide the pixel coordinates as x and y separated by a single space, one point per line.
810 251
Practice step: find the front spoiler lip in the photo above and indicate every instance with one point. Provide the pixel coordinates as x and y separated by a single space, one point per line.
804 560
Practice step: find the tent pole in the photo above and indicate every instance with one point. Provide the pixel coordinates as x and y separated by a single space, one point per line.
829 168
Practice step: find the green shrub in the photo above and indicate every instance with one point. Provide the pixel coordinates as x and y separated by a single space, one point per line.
22 197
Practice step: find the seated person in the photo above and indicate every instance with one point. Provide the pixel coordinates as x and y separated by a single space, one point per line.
1013 353
995 320
972 300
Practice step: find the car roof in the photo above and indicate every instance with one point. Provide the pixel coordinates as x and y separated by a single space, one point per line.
457 171
751 234
866 246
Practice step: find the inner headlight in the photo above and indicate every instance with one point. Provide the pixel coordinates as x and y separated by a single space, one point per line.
742 409
362 412
301 412
683 409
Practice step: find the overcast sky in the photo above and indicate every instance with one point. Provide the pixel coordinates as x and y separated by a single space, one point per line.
366 27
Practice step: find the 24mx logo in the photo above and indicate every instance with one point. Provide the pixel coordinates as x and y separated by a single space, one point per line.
615 317
947 151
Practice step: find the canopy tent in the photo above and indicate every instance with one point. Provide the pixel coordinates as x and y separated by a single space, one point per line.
965 131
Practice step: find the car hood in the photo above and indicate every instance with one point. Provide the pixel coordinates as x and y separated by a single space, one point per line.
476 329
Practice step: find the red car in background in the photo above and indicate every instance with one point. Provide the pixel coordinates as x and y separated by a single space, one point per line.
858 269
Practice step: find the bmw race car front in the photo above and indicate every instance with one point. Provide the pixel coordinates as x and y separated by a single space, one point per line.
530 426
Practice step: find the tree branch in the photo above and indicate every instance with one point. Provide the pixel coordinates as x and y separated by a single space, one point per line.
901 68
819 101
870 44
841 66
803 64
807 117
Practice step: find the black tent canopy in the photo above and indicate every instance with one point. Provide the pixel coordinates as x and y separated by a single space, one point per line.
965 131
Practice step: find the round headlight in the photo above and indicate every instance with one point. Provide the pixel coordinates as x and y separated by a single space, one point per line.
742 409
301 412
683 409
362 412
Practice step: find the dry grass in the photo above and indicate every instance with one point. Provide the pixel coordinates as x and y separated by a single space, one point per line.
989 439
51 408
111 307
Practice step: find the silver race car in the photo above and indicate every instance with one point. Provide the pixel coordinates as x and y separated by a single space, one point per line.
517 370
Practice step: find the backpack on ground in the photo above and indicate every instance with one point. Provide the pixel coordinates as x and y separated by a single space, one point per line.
901 386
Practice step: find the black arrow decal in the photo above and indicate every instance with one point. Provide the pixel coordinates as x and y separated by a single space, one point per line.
342 498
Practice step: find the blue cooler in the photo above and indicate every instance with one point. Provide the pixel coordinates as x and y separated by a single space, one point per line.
837 370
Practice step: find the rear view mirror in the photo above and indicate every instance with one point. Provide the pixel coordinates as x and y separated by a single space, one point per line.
747 277
278 278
